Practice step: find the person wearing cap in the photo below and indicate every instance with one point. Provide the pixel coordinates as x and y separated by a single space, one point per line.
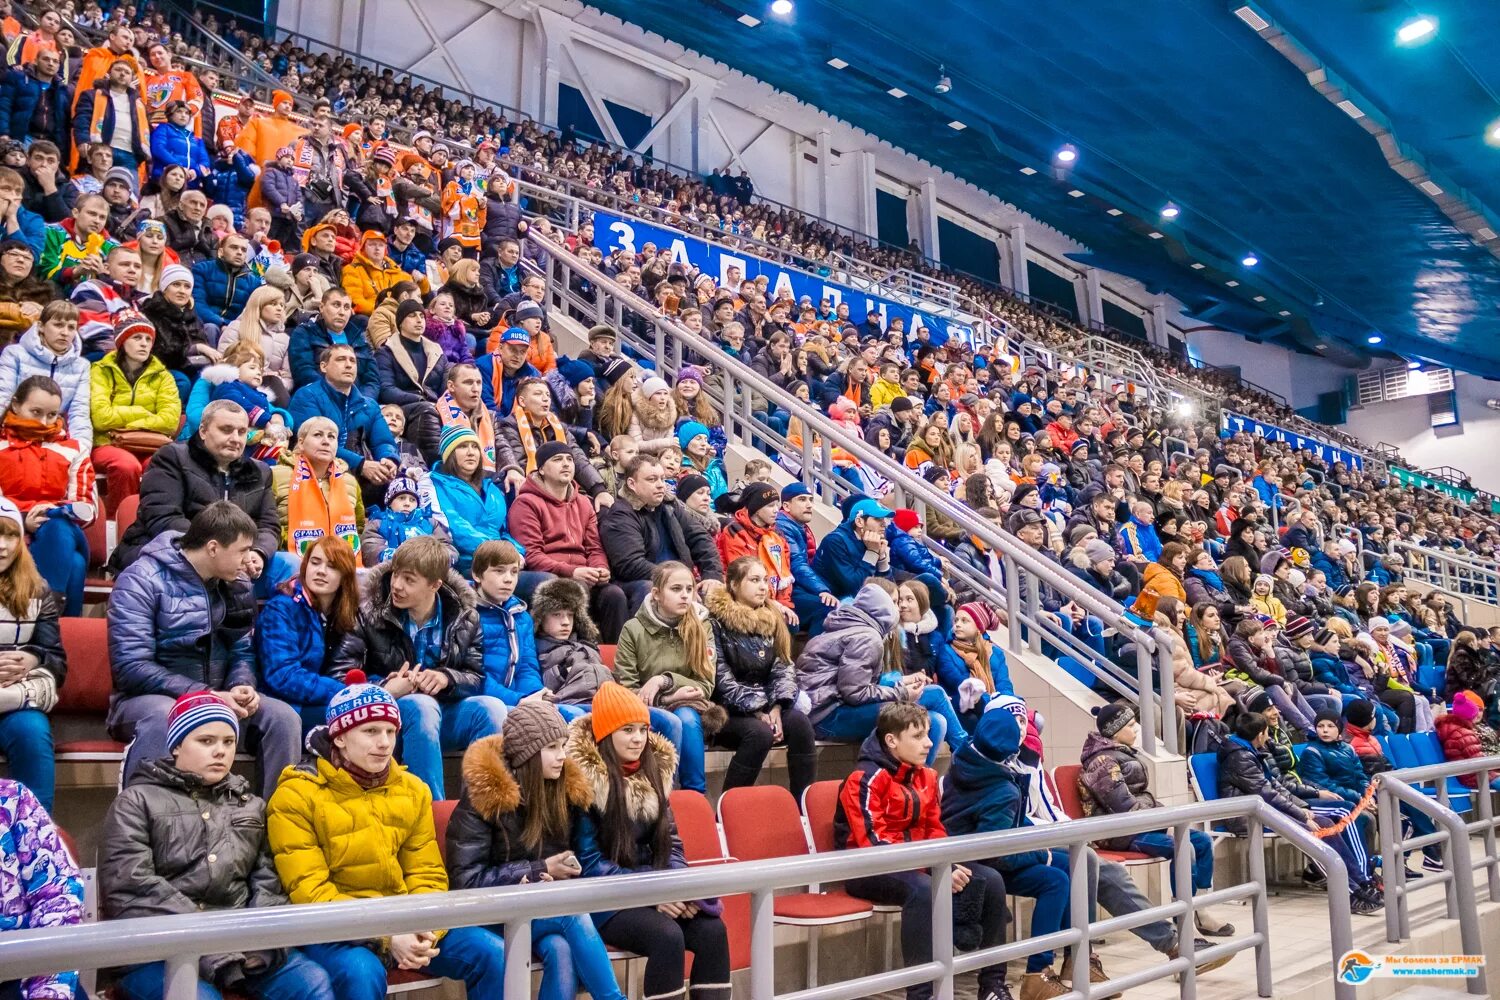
466 502
513 825
349 822
370 272
189 836
602 349
133 397
855 550
505 368
753 532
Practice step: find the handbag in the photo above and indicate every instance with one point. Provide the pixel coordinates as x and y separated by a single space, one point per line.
142 444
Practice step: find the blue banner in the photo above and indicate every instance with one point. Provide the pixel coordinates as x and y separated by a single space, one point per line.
615 232
1237 423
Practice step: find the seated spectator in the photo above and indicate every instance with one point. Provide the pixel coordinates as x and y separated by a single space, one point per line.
1469 669
754 532
647 525
349 823
696 498
511 671
240 379
419 632
103 297
811 594
1114 780
180 620
17 222
331 326
528 426
190 231
1465 736
370 272
222 285
181 342
186 477
698 457
1252 660
892 798
1164 577
1245 770
853 667
1394 679
569 662
403 516
382 324
52 349
855 550
514 826
316 494
468 504
22 294
365 442
76 247
135 406
127 212
32 661
472 309
970 667
1197 692
632 831
40 882
50 479
505 368
262 325
557 528
756 682
151 243
161 856
412 367
654 425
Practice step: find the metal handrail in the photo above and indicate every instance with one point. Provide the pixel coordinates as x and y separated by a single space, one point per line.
1453 570
180 939
613 303
1398 788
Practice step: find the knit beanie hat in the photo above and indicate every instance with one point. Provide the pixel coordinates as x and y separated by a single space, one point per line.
280 97
981 614
1359 713
1098 550
128 323
175 272
358 704
10 512
528 728
1377 622
1328 715
615 369
197 709
615 706
1466 709
400 485
997 735
1298 626
1259 701
125 176
691 373
405 309
688 431
653 385
1113 717
901 404
453 436
907 519
690 484
756 497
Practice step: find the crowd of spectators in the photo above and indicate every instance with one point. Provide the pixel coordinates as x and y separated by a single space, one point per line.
381 515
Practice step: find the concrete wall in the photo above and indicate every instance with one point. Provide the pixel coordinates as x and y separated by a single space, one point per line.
1299 378
1471 444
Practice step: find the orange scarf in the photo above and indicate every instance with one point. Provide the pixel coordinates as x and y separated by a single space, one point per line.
32 430
528 436
449 412
977 656
310 514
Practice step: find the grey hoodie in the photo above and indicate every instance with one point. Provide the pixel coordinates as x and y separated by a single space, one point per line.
842 665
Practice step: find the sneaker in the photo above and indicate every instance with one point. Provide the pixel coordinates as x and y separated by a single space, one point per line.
1003 993
1042 985
1433 864
1313 877
1199 944
1096 972
1364 904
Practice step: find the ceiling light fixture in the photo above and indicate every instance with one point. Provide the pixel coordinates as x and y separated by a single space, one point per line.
748 20
1430 188
1285 312
781 8
837 63
1154 235
1260 298
1351 109
957 126
1250 260
1250 17
1113 211
1066 154
1418 29
1197 266
1170 211
896 92
944 83
1232 283
1028 171
1492 133
1075 193
1374 338
1412 366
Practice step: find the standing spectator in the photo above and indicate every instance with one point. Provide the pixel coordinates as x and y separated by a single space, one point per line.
169 84
135 406
282 197
230 178
160 856
180 619
32 661
99 62
40 883
111 111
36 103
173 142
349 823
263 135
419 632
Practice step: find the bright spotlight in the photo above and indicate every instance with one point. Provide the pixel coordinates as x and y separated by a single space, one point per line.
1170 211
1067 154
1412 366
1374 338
1250 260
1185 409
781 8
1418 29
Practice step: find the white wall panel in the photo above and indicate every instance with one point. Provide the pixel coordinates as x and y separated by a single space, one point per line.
1471 446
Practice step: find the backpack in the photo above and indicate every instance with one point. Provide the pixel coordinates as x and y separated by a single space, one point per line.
1205 734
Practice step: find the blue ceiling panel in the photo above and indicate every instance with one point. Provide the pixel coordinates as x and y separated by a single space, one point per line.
1180 100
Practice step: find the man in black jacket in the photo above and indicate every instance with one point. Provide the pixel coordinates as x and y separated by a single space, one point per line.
187 476
646 526
419 631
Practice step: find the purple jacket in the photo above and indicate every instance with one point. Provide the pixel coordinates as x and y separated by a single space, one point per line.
39 884
453 338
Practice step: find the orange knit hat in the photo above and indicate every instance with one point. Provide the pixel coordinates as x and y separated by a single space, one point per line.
614 706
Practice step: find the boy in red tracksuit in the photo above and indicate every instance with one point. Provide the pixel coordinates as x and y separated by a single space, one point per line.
892 798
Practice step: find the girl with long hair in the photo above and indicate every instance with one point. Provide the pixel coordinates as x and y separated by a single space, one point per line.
654 423
263 324
513 826
32 662
931 445
666 656
151 243
628 828
613 415
301 626
1197 691
756 681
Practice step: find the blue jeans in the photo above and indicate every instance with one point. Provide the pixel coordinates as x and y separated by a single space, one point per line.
1048 884
61 554
1160 845
297 978
26 741
852 723
572 951
470 954
683 728
428 727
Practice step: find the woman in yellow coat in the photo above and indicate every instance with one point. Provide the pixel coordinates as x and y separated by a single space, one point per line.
350 823
130 390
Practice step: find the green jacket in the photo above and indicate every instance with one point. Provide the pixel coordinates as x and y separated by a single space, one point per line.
649 647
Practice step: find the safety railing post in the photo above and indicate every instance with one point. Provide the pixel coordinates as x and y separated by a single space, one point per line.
1167 682
1146 709
763 944
940 884
1012 573
1392 864
1182 891
181 978
1492 866
1078 907
1260 908
518 960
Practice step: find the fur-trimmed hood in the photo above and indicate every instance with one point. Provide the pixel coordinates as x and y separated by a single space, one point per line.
643 805
654 422
563 594
492 787
738 617
925 625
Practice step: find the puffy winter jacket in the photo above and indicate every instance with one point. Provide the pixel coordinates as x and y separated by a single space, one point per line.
1113 780
1461 741
802 548
363 431
558 535
379 643
173 844
751 676
219 295
309 339
511 671
364 280
843 663
150 403
173 144
410 372
57 471
29 356
294 646
844 562
1243 770
177 331
333 840
743 537
984 794
649 648
14 294
631 536
886 801
1247 664
229 182
279 188
485 848
909 555
22 92
1333 766
171 632
40 886
471 517
1332 672
184 478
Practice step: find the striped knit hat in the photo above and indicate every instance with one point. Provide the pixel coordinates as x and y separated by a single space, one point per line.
453 436
197 709
358 704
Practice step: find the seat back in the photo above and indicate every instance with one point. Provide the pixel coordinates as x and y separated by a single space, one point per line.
1204 769
607 655
125 514
442 812
1065 780
696 826
98 538
1427 748
819 803
761 821
85 644
1399 748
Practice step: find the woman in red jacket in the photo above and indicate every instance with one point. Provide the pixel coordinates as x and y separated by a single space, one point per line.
50 478
1466 737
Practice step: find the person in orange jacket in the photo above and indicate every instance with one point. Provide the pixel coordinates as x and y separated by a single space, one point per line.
167 83
118 45
265 134
371 272
753 532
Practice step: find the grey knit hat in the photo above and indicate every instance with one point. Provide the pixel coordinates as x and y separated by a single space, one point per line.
528 728
1110 718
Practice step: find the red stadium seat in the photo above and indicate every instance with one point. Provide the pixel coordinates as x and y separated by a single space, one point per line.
442 812
85 695
696 827
607 655
1065 781
125 515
